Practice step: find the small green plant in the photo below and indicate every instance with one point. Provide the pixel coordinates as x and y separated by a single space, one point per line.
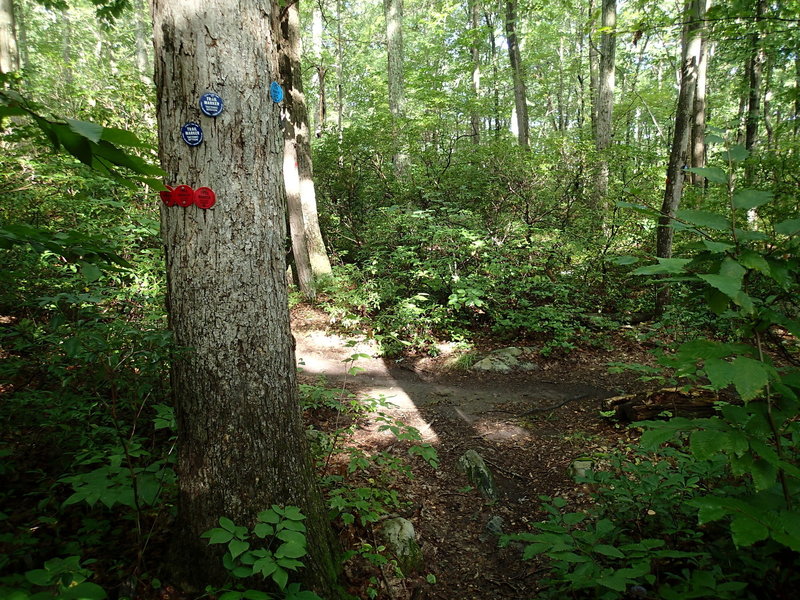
63 578
271 550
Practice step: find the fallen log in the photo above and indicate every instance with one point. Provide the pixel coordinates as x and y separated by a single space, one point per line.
663 403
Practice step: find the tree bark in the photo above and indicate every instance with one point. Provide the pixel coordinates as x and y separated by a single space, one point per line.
240 435
755 69
393 10
9 53
298 169
699 109
678 158
475 52
605 97
515 58
593 69
143 45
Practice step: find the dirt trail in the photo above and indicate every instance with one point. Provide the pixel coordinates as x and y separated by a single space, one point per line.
456 412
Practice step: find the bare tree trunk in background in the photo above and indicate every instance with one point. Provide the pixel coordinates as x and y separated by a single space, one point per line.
320 70
594 68
298 169
755 69
517 70
699 110
490 24
678 158
241 438
9 52
475 51
143 43
605 100
339 75
393 10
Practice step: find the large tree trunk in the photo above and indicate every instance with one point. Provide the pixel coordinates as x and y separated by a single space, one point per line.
475 51
605 98
9 54
240 435
593 68
755 69
517 71
298 169
678 158
393 10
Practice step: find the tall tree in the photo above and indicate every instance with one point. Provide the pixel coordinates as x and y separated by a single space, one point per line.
474 7
605 95
518 74
311 258
754 73
393 10
241 438
690 58
9 54
698 154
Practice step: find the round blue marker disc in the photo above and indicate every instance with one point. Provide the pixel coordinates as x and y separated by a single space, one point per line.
192 133
211 104
276 92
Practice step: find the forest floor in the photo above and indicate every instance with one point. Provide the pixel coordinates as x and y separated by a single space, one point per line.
528 426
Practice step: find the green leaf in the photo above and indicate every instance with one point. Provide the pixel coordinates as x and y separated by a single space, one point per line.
750 377
218 536
615 582
653 438
90 272
790 227
263 530
91 131
236 547
623 260
716 300
754 260
292 536
227 524
122 137
705 444
255 595
664 266
280 577
738 153
266 566
269 516
709 509
714 174
746 531
717 246
728 280
703 218
713 138
719 372
607 550
83 591
290 550
747 199
764 474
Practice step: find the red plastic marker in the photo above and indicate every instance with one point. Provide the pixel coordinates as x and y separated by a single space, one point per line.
166 196
183 195
204 197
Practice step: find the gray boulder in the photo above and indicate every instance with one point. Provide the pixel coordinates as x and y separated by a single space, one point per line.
401 541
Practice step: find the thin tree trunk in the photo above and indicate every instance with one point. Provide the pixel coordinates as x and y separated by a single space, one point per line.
755 69
690 58
241 438
319 70
517 71
393 10
475 51
143 44
605 99
594 68
9 53
698 158
300 181
339 75
495 83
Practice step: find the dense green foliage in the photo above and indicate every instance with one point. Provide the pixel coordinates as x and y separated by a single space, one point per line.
473 241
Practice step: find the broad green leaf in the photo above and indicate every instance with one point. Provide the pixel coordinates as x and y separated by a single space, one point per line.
664 266
255 595
280 577
716 300
607 550
262 530
790 227
615 582
653 438
90 272
719 372
745 302
747 199
704 218
292 536
218 536
236 547
269 516
266 566
737 153
728 280
293 513
764 474
83 591
747 235
717 246
750 377
705 349
227 524
706 444
122 137
91 131
710 509
231 595
746 531
754 260
713 138
714 174
290 550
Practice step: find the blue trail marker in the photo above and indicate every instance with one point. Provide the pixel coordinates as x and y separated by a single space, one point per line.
276 92
192 133
211 104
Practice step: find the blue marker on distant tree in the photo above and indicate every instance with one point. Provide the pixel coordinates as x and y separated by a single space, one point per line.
192 133
211 104
276 92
